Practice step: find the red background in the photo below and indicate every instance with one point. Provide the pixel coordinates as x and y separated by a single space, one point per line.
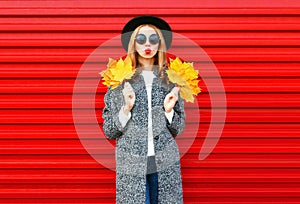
255 47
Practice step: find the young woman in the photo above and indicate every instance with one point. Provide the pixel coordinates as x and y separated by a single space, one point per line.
144 114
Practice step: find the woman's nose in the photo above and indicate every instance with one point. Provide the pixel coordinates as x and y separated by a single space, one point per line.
147 42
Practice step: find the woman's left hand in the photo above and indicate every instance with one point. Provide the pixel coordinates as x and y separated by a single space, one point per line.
171 99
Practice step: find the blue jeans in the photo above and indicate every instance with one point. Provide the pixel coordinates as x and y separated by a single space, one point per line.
151 182
152 188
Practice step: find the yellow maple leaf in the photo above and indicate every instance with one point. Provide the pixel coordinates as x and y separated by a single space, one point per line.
176 65
175 77
185 76
111 63
194 86
117 71
186 93
190 73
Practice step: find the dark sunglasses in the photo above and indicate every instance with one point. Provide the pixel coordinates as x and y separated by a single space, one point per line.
141 39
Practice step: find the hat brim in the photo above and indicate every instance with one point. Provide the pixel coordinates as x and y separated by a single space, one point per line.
162 25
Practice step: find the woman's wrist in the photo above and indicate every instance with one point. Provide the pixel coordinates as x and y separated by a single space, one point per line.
168 110
126 109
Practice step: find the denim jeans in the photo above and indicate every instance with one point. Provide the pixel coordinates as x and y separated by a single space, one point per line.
151 182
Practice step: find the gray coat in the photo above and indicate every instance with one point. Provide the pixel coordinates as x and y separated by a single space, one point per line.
132 142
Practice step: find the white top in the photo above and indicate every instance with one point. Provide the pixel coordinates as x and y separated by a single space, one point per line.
148 78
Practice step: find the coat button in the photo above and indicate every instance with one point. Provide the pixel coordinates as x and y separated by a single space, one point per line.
156 137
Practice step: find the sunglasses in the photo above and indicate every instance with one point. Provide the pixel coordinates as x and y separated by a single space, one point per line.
141 39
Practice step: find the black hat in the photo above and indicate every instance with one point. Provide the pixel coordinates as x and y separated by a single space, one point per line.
140 20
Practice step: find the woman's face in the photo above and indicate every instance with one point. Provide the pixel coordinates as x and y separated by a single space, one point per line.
147 42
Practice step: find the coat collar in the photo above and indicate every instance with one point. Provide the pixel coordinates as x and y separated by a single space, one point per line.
155 71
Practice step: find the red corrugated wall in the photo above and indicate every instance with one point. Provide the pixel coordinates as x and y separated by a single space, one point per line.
255 47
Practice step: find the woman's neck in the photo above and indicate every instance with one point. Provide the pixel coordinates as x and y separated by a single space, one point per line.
146 64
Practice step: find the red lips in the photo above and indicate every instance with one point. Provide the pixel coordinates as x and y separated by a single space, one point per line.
148 51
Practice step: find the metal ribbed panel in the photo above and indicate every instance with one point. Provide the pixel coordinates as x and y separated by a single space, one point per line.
255 47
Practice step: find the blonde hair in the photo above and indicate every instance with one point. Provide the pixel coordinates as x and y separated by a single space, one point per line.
160 56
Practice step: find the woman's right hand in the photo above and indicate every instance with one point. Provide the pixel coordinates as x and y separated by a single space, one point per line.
129 97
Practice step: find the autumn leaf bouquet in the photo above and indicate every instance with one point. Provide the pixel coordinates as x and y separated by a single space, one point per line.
185 76
181 73
117 71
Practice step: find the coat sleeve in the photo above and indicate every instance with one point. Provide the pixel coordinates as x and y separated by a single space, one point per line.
112 126
177 125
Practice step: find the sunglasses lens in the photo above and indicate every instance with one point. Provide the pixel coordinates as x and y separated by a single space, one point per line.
154 39
140 39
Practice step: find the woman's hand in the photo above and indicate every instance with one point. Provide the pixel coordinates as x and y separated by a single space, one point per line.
171 99
129 97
